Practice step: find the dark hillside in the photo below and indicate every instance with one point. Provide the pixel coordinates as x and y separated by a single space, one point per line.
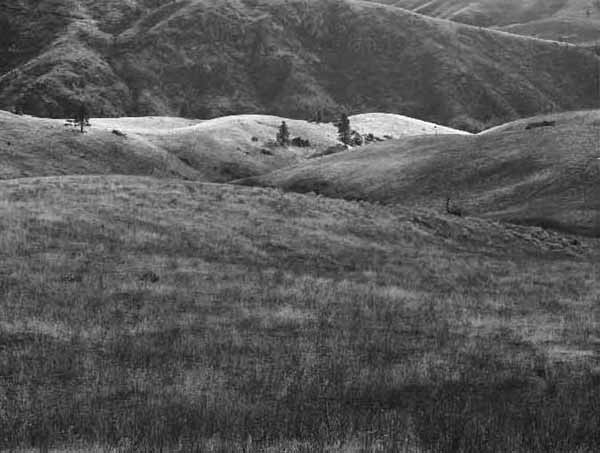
292 58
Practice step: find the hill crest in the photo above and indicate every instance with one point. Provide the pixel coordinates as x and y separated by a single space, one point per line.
220 149
546 175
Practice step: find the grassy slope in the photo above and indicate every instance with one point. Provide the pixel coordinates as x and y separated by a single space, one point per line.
546 176
396 126
292 58
221 149
578 30
36 147
296 322
548 19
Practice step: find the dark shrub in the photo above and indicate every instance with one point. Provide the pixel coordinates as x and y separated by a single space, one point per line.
300 142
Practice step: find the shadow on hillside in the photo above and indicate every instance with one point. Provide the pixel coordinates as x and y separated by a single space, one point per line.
558 226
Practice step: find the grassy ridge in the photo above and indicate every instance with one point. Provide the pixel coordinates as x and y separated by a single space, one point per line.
217 150
42 147
140 313
545 176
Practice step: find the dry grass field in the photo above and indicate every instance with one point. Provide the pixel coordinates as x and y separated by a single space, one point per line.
190 285
143 314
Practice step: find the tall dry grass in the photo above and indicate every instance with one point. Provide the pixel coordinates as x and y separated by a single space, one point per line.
284 322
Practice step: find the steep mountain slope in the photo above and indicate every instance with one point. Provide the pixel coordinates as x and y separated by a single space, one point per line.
215 150
576 21
546 175
291 58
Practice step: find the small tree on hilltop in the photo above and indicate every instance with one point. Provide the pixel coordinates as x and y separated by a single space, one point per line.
283 136
319 116
344 132
82 117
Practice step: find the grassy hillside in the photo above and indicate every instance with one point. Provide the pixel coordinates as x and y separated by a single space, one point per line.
42 147
546 176
396 126
575 21
142 314
217 150
289 58
578 30
499 12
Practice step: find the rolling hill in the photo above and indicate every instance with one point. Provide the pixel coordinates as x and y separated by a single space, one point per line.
213 317
177 284
546 176
287 58
214 150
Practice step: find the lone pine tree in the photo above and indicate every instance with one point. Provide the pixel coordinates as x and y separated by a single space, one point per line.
283 136
82 117
344 132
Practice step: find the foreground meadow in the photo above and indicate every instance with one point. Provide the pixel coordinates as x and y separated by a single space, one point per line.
150 315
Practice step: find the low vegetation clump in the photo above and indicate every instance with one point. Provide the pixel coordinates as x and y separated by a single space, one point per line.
300 142
143 314
538 124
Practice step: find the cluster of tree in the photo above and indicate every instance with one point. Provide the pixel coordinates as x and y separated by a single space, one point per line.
283 137
346 135
350 137
300 142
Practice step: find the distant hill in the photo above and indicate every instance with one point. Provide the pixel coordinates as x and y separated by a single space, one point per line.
541 171
214 150
288 58
395 126
576 21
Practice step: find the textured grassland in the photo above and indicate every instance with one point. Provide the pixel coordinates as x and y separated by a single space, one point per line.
286 322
